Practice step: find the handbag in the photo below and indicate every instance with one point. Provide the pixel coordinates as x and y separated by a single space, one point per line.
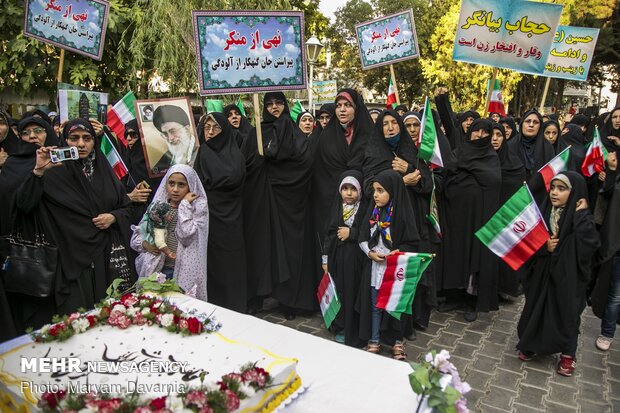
29 267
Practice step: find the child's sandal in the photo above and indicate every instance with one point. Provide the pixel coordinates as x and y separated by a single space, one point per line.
373 348
398 352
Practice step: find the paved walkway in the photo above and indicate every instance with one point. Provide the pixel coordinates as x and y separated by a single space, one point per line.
483 351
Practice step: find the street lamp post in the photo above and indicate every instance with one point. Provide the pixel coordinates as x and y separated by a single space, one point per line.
313 48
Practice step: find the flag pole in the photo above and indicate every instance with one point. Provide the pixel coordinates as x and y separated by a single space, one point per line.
541 108
491 86
393 76
259 132
61 63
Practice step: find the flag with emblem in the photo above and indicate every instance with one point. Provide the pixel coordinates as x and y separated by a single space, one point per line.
402 273
328 299
516 231
596 155
390 103
496 103
555 166
120 114
113 157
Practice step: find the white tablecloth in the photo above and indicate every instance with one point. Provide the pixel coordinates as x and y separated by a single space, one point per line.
337 378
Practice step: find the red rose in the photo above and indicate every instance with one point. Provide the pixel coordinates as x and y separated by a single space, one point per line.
183 325
51 399
232 401
56 329
194 325
129 300
92 320
139 319
158 403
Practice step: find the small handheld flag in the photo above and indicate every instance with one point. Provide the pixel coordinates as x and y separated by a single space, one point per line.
328 299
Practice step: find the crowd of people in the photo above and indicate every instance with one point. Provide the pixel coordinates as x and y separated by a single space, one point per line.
334 191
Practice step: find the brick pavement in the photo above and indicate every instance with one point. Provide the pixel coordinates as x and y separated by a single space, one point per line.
483 351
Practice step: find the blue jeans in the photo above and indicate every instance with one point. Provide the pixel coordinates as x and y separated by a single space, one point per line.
375 316
168 272
608 323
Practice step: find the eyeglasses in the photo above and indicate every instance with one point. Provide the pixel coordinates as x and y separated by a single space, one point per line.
272 103
214 128
27 132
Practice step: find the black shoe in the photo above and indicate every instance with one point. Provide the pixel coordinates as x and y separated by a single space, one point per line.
470 315
289 316
412 336
447 307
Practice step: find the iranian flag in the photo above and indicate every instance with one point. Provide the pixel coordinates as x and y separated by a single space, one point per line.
595 157
328 299
113 157
554 167
400 280
390 103
433 216
496 102
516 231
120 114
428 142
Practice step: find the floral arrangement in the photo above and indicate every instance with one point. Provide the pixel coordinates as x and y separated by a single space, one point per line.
130 309
437 380
156 282
221 397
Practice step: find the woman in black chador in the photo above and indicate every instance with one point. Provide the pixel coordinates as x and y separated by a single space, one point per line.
513 176
220 165
83 210
278 230
471 197
340 147
555 287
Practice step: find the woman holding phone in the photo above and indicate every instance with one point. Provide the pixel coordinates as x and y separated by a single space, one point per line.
82 209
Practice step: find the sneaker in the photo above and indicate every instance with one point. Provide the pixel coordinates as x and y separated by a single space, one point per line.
339 338
566 366
603 343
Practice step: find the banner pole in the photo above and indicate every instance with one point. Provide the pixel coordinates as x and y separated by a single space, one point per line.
259 132
61 63
393 76
541 108
491 86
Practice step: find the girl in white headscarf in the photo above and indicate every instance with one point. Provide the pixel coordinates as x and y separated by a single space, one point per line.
187 235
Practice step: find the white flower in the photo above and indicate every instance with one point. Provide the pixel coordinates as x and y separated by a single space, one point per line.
119 307
88 409
45 328
160 277
132 311
146 311
175 403
247 390
80 325
166 320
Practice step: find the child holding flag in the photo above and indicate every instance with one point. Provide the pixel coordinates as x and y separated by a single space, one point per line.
389 227
342 256
555 287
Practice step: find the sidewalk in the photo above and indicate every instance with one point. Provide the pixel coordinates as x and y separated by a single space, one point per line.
483 351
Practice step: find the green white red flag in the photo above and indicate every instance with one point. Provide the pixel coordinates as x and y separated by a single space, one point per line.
120 114
596 156
113 157
516 231
390 103
328 299
496 102
555 166
400 280
428 144
433 215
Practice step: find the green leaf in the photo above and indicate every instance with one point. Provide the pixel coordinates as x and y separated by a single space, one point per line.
415 384
112 290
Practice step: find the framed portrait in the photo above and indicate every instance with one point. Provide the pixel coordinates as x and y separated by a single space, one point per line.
167 133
